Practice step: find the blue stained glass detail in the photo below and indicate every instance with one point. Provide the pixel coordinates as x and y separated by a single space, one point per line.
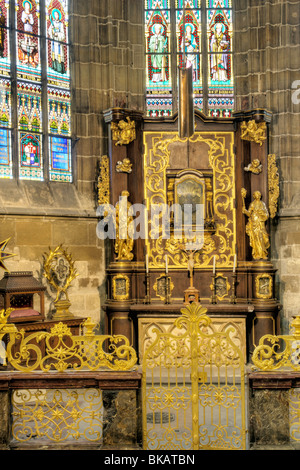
60 159
5 154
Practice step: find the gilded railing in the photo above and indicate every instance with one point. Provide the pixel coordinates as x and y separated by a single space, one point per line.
279 352
60 350
193 388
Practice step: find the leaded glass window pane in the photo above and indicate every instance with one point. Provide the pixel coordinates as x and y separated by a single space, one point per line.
35 95
158 62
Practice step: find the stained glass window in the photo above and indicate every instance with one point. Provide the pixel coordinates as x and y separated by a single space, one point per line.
5 93
189 33
35 125
59 97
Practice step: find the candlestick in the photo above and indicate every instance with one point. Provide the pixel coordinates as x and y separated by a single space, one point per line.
147 264
234 264
147 299
214 294
233 289
167 290
146 224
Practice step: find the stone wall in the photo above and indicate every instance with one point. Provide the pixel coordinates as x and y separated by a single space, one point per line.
267 63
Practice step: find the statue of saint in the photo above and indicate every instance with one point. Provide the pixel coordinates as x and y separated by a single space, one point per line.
256 230
124 229
157 46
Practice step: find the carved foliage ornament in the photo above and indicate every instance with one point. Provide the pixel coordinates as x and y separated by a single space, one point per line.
123 132
254 132
103 182
273 183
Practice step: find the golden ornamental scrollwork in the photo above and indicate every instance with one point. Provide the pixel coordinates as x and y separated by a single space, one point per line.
254 132
104 181
221 161
257 214
60 350
123 132
273 184
280 352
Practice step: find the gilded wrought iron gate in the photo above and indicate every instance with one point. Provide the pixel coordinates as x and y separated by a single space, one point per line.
193 388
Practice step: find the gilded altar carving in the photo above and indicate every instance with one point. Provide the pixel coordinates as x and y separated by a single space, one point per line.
254 132
123 132
104 182
273 185
220 194
124 229
59 270
264 286
254 167
120 287
124 166
257 214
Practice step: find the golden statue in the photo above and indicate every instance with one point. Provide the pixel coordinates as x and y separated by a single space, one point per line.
124 229
256 230
60 271
254 167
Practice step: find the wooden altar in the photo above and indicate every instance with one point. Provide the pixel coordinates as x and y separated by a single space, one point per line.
225 166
